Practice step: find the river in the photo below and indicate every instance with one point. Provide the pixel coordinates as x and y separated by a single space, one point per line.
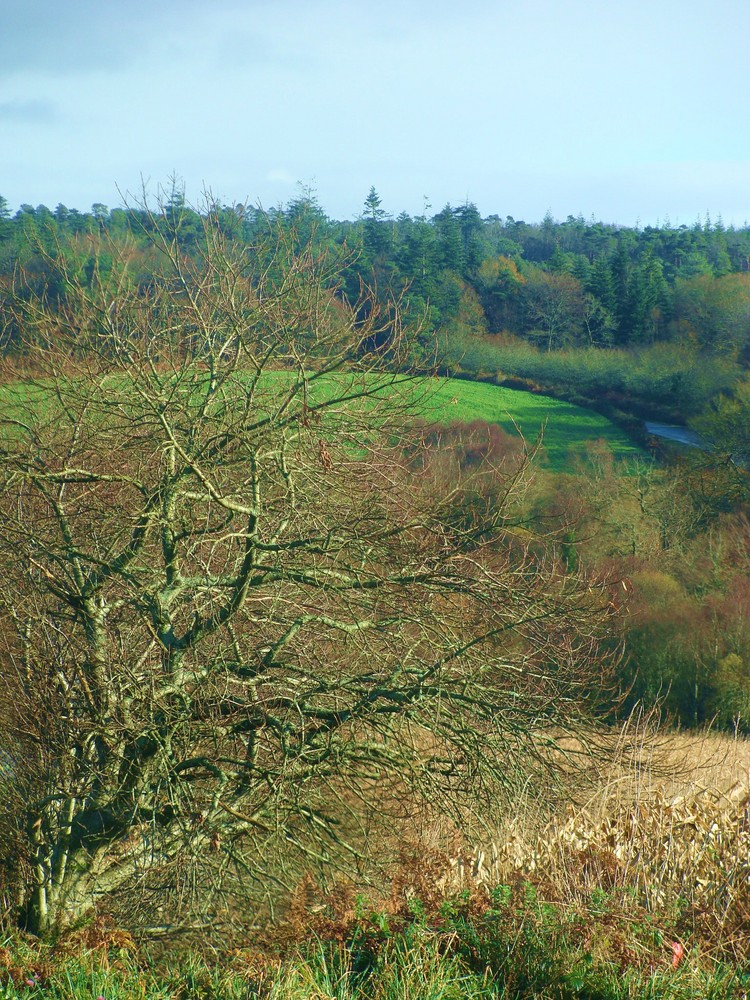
673 432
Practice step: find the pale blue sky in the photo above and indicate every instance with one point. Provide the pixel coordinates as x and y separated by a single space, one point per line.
627 110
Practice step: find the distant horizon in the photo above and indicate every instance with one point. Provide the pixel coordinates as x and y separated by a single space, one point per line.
195 202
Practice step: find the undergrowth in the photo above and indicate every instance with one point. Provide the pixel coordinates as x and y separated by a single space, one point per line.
420 942
643 891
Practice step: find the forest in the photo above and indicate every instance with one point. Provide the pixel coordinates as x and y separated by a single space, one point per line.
294 616
560 284
503 294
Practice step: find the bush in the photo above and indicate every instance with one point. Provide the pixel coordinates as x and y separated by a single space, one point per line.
666 380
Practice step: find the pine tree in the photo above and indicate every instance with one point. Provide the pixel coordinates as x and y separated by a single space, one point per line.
375 236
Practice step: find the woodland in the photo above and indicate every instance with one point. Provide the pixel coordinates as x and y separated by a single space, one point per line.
285 635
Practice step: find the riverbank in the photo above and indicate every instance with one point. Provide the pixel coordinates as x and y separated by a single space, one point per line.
664 383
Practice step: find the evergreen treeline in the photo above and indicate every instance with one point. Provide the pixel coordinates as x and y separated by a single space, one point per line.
555 284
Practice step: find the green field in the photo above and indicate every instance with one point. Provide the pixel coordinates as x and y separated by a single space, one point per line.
567 428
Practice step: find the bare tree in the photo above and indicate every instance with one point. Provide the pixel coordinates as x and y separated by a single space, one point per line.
556 303
238 615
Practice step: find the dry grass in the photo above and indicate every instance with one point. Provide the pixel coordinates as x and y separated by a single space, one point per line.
664 829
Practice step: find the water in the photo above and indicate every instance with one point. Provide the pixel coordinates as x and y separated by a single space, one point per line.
674 432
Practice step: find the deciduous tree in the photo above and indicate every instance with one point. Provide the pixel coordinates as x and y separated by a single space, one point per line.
237 618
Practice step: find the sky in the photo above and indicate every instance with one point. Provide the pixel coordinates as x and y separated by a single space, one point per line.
634 112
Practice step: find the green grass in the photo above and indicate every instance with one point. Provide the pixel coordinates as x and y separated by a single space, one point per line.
477 962
567 428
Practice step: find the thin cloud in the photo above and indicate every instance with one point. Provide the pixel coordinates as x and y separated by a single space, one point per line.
28 112
280 175
49 38
252 95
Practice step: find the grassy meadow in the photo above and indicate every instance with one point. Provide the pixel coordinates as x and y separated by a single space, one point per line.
566 428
